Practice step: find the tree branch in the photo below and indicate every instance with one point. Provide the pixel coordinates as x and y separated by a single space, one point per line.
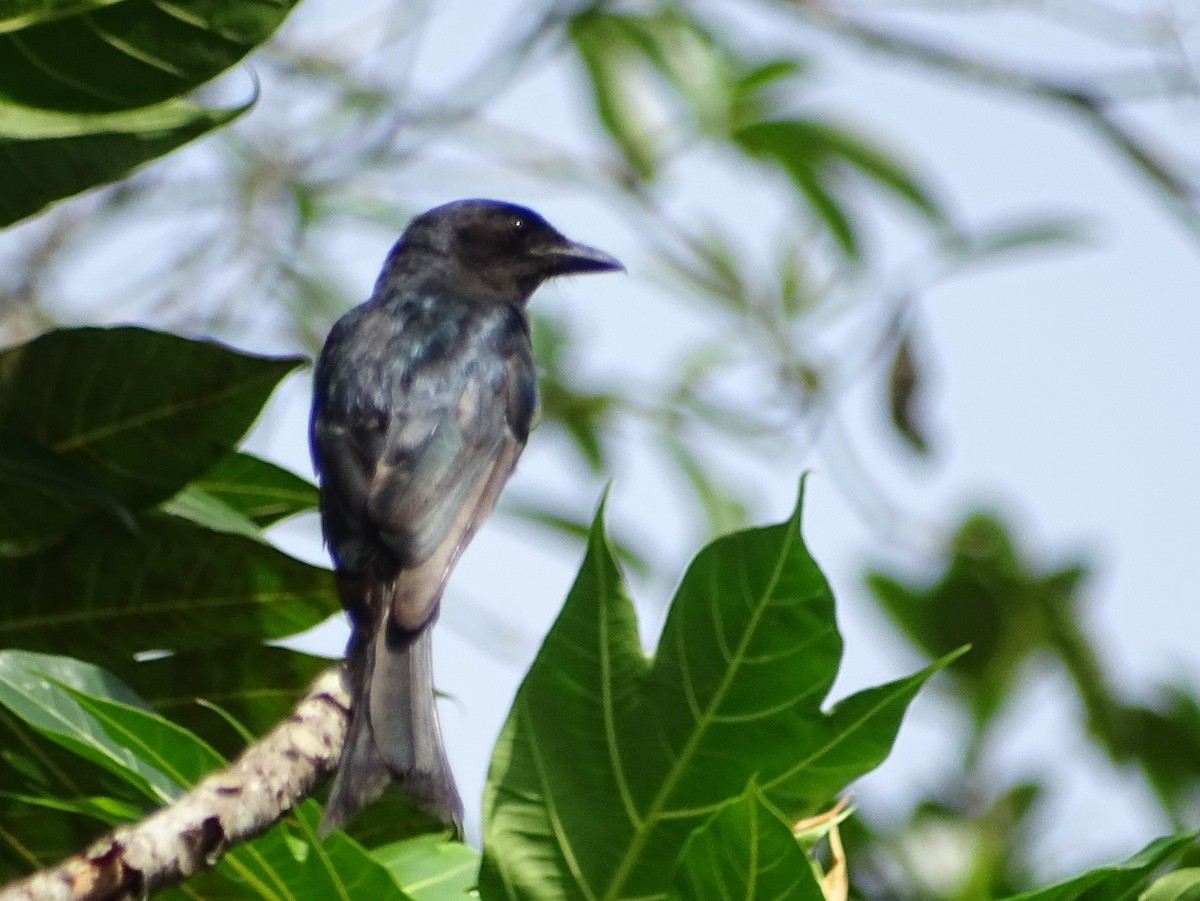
224 809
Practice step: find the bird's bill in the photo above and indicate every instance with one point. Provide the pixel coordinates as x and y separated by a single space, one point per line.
570 258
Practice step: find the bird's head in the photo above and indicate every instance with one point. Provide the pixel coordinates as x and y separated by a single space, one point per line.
509 249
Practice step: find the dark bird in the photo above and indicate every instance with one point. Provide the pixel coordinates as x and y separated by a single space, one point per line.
423 400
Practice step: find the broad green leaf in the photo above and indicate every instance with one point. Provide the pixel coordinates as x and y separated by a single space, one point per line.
176 586
32 686
137 413
289 863
169 748
1119 881
51 491
431 868
745 852
258 489
96 58
609 760
56 155
255 685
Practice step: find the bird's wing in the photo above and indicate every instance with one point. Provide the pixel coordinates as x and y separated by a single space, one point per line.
417 479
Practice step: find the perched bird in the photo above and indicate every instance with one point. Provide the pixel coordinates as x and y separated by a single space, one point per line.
423 399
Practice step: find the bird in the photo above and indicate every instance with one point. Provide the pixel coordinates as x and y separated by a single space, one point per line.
423 399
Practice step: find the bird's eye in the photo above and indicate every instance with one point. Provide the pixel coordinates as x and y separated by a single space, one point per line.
518 223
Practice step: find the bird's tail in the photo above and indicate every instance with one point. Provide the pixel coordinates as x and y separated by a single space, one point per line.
394 731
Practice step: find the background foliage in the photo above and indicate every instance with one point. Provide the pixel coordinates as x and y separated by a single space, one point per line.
121 482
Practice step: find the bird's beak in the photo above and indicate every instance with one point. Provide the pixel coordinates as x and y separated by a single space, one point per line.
569 258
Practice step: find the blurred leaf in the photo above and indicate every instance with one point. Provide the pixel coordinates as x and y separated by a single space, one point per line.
904 386
258 489
1022 236
257 686
987 597
609 760
136 412
32 688
613 67
581 416
581 413
810 151
749 100
723 511
178 586
205 510
840 144
1182 885
566 523
430 868
1119 881
99 58
745 852
1164 739
61 154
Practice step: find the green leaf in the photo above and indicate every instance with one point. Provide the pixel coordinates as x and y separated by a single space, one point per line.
134 413
205 510
430 868
259 490
814 154
55 155
1182 885
53 490
37 689
987 597
745 852
255 685
178 586
613 67
609 760
95 58
169 748
289 862
110 811
1119 881
841 144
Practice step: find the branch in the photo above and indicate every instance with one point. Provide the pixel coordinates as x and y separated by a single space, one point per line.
224 809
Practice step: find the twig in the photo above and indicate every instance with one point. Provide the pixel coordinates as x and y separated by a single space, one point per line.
226 808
